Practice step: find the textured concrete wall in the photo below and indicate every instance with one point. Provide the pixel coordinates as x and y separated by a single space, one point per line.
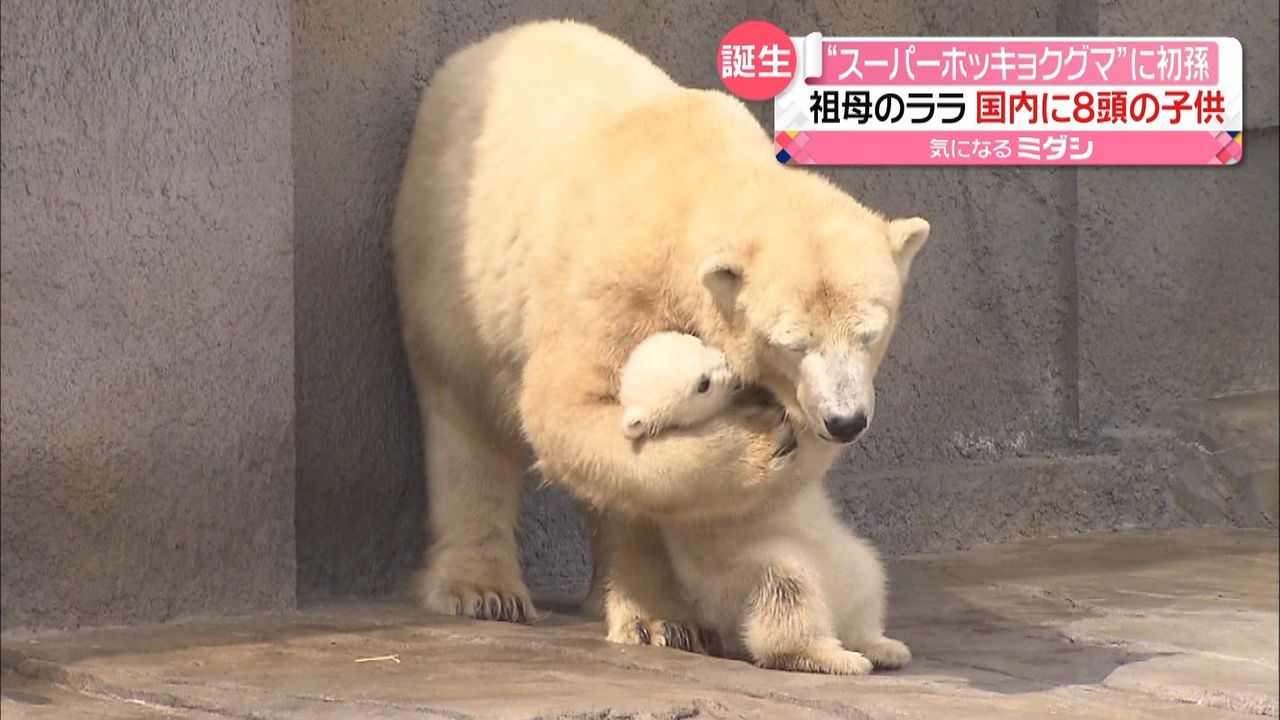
147 357
1052 309
359 478
1178 268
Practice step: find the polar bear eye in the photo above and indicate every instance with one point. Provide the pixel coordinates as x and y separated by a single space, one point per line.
704 384
868 336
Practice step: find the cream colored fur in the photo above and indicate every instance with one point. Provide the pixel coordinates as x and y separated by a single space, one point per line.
562 200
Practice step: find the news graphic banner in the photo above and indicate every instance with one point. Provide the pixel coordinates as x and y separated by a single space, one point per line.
993 101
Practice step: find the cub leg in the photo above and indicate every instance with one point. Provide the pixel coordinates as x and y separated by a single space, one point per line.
788 625
857 592
473 497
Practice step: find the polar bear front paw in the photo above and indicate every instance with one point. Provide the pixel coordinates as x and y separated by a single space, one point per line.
887 653
507 601
785 441
758 408
663 633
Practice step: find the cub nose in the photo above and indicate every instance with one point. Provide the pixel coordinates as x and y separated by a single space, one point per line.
846 427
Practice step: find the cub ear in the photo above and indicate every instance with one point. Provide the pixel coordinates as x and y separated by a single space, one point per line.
906 237
722 275
633 423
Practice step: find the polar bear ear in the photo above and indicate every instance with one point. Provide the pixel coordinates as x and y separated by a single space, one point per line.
722 275
906 237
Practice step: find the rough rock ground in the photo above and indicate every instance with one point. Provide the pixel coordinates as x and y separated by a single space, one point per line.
1162 625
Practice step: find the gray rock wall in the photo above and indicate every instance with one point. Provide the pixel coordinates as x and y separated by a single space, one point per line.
147 414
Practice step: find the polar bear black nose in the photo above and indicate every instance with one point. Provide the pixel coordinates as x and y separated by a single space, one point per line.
846 427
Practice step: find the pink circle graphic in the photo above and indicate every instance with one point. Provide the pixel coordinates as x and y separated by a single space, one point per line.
756 60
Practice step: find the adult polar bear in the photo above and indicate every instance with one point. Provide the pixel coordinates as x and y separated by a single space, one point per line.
562 200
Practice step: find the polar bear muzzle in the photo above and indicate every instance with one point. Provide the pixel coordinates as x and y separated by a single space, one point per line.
837 393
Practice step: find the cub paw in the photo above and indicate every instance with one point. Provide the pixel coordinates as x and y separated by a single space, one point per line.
483 600
887 653
825 660
663 633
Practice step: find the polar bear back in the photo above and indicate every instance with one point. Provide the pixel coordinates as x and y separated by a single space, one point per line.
498 125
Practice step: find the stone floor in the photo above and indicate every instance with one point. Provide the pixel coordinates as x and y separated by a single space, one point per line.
1162 625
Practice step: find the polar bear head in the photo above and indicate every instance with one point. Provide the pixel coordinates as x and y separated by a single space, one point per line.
807 288
673 380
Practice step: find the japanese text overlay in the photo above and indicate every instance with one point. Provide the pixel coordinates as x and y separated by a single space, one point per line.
1009 101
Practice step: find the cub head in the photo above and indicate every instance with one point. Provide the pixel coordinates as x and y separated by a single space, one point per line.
673 380
809 292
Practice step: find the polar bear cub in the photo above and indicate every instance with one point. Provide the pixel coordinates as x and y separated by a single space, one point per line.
789 586
673 380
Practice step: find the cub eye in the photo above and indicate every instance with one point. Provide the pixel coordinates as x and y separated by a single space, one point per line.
704 384
794 347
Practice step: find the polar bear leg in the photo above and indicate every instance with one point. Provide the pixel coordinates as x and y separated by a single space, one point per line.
472 567
644 604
